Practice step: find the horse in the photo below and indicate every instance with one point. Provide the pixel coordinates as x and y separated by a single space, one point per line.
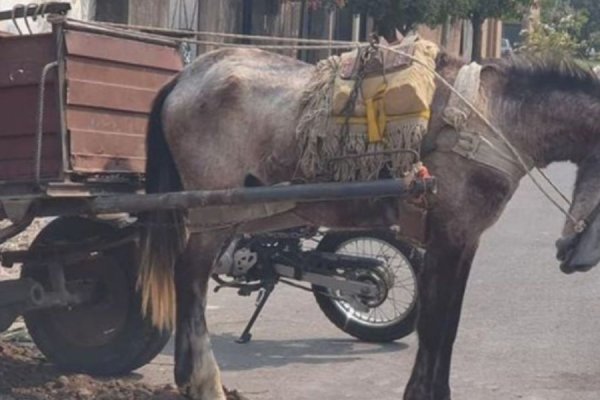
228 120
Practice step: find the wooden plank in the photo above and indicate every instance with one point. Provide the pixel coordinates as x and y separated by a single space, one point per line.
18 110
94 164
23 58
121 50
219 16
149 12
22 170
117 74
95 119
22 147
107 144
112 97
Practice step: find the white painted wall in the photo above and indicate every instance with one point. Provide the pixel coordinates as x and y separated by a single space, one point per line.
80 9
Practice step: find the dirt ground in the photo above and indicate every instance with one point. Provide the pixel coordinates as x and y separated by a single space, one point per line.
26 375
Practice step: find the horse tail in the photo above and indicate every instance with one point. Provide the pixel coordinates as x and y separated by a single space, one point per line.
163 235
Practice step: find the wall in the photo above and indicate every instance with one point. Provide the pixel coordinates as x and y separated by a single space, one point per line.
149 12
219 16
267 19
183 14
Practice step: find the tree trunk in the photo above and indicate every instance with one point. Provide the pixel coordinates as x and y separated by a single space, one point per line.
477 22
445 32
387 29
301 29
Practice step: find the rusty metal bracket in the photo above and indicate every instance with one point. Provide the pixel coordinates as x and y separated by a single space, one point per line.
20 11
21 213
17 209
40 121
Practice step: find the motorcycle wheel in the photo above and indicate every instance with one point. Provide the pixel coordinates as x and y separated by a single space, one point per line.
393 315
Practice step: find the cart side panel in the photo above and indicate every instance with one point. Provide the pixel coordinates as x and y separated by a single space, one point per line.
111 85
21 63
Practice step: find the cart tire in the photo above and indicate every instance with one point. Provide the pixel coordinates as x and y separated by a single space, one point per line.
395 329
108 336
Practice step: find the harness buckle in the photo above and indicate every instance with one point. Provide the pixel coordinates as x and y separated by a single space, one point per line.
467 144
580 226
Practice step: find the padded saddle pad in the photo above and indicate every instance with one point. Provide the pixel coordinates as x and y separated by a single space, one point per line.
380 63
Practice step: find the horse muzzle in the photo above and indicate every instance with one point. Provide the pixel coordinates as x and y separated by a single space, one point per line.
568 252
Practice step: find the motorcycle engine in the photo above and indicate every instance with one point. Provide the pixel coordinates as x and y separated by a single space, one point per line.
236 262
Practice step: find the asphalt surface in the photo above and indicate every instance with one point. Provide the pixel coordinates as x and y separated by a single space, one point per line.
527 331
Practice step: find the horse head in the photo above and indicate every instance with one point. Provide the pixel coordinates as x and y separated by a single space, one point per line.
559 104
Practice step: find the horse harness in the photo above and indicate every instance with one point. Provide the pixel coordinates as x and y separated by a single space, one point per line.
482 145
466 137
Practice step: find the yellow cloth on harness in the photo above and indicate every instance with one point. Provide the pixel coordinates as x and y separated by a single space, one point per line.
388 95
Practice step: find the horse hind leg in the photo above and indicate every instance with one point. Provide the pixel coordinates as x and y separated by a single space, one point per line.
196 371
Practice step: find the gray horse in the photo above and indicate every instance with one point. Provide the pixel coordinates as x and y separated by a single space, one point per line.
231 116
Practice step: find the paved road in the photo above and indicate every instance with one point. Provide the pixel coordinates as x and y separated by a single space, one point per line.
527 331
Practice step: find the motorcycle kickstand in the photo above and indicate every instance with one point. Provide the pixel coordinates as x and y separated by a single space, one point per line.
263 296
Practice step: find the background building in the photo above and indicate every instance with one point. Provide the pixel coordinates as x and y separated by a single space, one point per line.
260 17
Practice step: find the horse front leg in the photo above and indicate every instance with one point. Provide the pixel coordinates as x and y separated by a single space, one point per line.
442 284
196 371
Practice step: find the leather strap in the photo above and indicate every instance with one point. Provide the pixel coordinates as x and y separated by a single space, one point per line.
482 147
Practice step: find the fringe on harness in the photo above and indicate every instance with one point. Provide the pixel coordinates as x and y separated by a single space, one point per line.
342 148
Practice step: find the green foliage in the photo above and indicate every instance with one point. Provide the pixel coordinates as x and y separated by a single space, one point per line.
403 15
389 15
562 36
483 9
554 10
586 13
592 9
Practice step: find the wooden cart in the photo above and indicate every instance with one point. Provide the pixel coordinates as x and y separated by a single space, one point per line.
73 112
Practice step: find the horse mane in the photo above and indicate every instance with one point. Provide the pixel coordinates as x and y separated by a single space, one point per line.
445 60
547 72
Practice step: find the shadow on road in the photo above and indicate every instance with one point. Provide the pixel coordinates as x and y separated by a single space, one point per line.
276 353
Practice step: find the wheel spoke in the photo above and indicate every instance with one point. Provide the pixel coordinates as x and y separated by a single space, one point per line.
400 296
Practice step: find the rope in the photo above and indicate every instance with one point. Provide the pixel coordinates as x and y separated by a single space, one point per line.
556 189
496 131
330 46
146 29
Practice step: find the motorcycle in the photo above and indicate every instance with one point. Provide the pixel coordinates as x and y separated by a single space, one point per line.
364 283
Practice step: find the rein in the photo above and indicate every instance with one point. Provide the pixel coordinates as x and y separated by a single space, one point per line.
580 225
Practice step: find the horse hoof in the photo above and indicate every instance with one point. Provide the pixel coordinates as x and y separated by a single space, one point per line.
233 394
215 394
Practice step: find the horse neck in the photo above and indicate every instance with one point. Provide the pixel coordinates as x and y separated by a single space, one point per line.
551 126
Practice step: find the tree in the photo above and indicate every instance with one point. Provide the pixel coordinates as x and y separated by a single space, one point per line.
403 15
390 15
477 11
568 27
560 37
592 9
591 29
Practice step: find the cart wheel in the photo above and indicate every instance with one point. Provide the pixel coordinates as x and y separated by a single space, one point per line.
392 315
107 335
